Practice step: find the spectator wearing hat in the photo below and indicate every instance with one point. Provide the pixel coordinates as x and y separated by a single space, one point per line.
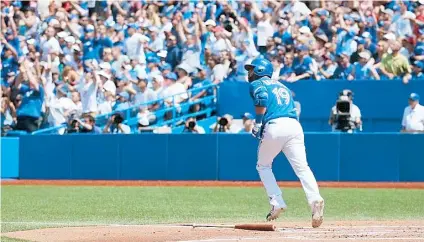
183 71
417 70
395 65
302 65
122 102
364 69
60 106
344 68
326 71
145 95
287 70
156 43
135 42
49 44
153 66
401 22
157 87
413 116
175 92
247 123
174 54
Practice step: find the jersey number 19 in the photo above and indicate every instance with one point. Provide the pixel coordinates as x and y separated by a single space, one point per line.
281 95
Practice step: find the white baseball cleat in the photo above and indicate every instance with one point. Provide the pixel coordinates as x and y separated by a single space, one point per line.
274 213
317 213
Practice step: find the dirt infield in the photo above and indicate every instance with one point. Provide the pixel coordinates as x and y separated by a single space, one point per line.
330 231
410 185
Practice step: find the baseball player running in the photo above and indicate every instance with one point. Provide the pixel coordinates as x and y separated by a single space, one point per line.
278 129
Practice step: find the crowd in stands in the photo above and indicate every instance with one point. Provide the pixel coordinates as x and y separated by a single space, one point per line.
62 59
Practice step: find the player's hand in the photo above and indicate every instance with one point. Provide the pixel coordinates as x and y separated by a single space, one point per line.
257 130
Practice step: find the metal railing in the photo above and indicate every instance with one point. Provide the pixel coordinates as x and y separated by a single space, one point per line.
130 114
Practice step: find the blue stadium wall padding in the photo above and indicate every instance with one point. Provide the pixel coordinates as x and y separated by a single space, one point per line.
9 158
369 157
46 156
332 157
143 157
192 157
381 102
411 160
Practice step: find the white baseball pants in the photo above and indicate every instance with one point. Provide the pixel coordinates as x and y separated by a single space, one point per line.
286 135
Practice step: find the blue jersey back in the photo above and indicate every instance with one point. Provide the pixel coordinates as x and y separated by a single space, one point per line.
275 97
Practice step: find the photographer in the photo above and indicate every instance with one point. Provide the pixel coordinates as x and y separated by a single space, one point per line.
87 126
192 127
345 116
224 124
115 125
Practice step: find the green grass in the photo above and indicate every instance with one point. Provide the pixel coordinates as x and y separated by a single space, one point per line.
148 205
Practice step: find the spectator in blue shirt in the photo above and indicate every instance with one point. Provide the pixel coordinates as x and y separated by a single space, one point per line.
344 68
123 101
32 94
302 65
417 70
9 59
174 54
364 69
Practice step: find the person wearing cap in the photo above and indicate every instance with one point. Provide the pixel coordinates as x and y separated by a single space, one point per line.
172 89
413 116
50 44
60 106
122 102
153 66
394 64
156 43
248 119
157 87
401 23
183 70
326 71
145 95
417 70
134 44
364 68
302 65
344 68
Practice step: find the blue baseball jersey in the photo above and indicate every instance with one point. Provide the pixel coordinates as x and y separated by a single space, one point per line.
275 97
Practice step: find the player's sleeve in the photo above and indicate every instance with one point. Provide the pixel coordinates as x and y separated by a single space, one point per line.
259 94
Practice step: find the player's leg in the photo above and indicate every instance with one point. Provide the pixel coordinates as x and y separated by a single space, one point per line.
268 149
295 152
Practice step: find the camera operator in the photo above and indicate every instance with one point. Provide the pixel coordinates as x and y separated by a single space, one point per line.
192 127
224 124
87 126
345 116
115 125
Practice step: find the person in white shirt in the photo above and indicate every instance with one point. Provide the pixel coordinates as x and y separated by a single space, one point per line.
413 116
146 95
218 71
175 92
60 107
355 112
88 90
265 31
135 44
51 44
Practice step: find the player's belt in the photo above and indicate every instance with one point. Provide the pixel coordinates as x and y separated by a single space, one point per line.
273 122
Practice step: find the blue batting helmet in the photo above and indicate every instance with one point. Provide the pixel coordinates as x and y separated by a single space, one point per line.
261 67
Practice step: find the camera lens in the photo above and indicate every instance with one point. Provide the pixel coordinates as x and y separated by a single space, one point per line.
223 121
191 124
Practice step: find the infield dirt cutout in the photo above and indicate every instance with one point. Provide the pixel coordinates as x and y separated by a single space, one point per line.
286 231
